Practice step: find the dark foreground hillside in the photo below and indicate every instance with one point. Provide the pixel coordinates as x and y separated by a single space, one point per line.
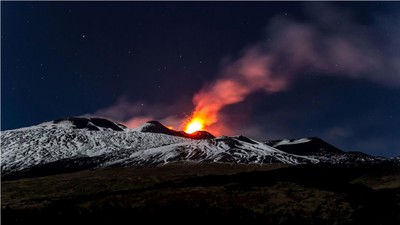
205 193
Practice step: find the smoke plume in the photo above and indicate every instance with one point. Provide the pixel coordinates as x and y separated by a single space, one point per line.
332 45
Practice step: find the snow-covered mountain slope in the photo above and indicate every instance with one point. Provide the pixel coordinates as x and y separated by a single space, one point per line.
82 143
316 148
53 141
106 143
222 149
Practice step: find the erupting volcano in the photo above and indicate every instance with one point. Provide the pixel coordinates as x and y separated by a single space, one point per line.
194 124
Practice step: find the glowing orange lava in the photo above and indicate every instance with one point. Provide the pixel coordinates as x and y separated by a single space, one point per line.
195 124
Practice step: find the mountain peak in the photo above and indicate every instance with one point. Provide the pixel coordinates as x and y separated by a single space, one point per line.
154 127
305 146
201 134
93 123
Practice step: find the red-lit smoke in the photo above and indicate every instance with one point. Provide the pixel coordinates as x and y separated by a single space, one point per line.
295 49
246 75
291 50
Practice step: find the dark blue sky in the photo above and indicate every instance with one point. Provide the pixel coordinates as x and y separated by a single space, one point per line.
74 58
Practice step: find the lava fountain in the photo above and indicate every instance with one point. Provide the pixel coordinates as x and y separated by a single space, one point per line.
194 124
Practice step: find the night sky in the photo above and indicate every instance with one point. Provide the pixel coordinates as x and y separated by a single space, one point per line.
136 61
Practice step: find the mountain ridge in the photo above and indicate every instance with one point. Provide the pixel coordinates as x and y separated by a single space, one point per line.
74 143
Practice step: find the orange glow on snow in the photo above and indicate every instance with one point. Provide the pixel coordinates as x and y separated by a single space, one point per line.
195 124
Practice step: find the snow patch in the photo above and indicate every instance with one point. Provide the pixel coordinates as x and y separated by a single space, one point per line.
292 142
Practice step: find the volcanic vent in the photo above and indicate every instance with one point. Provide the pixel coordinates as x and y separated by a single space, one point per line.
157 127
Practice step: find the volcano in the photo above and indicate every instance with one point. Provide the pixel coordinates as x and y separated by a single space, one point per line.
157 127
92 169
76 143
